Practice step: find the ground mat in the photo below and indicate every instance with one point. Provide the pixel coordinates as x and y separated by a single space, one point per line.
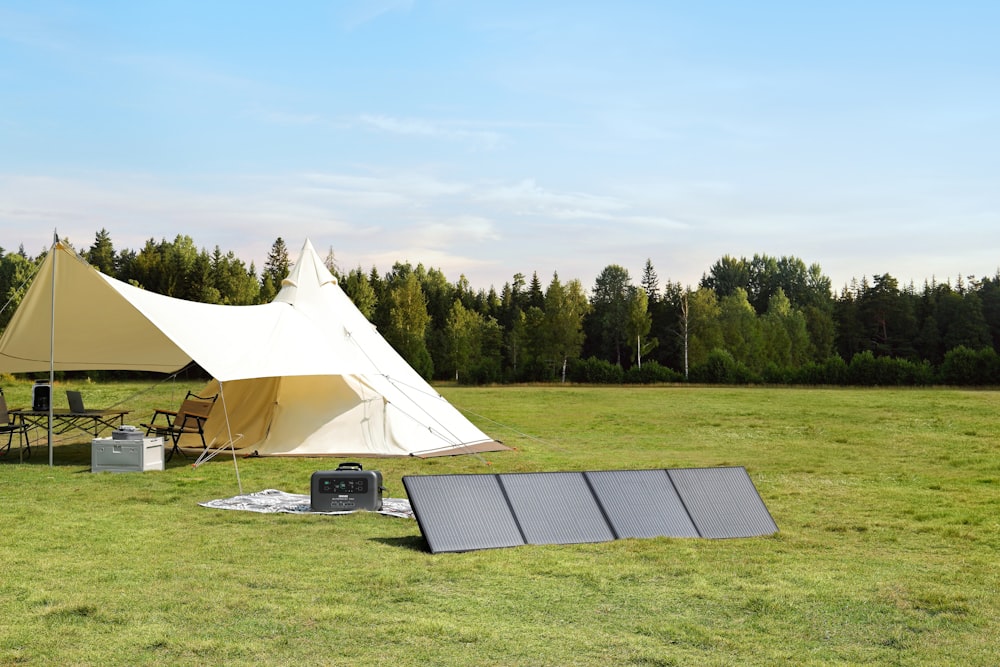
470 512
270 501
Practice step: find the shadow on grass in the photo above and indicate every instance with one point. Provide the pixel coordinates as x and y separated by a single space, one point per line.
62 455
72 455
413 543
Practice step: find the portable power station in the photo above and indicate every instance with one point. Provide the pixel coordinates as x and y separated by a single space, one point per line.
346 489
41 394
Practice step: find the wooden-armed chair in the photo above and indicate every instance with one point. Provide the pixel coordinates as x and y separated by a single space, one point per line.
10 427
190 418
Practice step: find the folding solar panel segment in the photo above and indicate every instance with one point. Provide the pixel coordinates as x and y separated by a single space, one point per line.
723 502
641 503
462 512
555 508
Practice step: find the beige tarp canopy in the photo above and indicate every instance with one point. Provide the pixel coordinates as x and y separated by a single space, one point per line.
306 374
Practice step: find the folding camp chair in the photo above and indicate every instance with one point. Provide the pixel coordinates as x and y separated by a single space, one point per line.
10 427
189 419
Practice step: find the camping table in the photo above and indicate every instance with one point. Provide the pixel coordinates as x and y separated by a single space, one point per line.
64 420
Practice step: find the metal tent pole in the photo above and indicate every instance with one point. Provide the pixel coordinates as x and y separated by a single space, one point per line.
52 338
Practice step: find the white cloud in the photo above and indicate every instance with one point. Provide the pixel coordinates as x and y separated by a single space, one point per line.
452 265
417 127
490 230
458 230
405 186
528 196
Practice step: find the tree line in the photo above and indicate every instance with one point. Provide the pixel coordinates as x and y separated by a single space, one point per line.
762 319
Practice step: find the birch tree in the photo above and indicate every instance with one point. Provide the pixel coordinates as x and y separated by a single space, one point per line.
638 324
408 321
565 307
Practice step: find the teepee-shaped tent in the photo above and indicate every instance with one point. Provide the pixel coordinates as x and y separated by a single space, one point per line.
382 408
306 374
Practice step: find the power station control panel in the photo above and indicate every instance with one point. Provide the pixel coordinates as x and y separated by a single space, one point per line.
346 489
343 485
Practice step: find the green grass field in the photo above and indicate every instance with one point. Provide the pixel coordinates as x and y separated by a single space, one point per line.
888 504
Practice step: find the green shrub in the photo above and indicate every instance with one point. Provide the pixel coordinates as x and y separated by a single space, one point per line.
964 366
486 371
775 374
835 370
867 370
652 372
595 371
721 368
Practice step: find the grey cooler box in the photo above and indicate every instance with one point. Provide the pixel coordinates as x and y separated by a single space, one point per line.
126 455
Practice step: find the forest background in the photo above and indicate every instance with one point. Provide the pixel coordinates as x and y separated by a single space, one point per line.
758 320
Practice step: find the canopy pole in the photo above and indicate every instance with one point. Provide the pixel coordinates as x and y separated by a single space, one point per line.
209 454
232 445
52 338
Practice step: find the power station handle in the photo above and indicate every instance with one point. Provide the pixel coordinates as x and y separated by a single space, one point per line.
349 465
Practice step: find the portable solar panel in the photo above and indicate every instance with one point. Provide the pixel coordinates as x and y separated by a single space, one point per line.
467 512
555 508
641 503
723 502
462 512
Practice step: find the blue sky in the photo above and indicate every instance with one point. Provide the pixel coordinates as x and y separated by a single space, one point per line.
490 138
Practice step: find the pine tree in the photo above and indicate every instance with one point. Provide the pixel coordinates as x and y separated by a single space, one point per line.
102 253
276 266
650 282
536 298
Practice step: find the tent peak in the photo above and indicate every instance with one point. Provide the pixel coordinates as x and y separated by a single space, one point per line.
309 270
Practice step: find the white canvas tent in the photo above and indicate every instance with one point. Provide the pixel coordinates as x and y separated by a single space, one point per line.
306 374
